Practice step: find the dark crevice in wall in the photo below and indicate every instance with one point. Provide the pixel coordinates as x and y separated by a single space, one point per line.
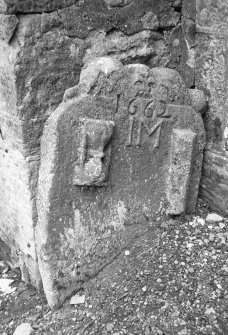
1 135
145 60
13 35
177 5
112 31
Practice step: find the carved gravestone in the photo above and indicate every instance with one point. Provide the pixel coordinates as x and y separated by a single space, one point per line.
123 148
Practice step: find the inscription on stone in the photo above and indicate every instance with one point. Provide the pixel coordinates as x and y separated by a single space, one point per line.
147 108
145 114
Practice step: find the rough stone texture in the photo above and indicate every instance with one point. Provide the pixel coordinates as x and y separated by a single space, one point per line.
16 205
17 228
199 100
182 43
214 218
211 77
80 228
8 24
181 161
40 59
80 20
33 6
23 329
94 152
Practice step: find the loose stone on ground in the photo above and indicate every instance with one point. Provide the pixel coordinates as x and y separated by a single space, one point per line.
23 329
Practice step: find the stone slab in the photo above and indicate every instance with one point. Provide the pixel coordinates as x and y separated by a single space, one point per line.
181 160
113 131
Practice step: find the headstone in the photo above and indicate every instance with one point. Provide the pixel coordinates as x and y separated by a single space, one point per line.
123 148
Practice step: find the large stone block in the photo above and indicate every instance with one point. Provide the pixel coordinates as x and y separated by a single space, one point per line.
182 159
16 208
110 163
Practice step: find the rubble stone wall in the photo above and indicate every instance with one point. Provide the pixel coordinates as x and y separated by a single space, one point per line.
211 75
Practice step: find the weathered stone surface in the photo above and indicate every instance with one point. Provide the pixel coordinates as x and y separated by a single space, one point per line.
182 57
211 77
81 226
17 228
8 24
43 58
214 188
94 152
189 21
198 100
23 329
117 3
17 201
181 161
33 6
80 20
182 42
214 218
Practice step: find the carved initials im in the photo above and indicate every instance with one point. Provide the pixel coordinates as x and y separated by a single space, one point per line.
147 114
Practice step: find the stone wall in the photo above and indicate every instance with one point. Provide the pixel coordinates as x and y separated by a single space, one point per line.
43 47
211 75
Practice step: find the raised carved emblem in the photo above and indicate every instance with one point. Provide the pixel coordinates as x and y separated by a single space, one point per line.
94 152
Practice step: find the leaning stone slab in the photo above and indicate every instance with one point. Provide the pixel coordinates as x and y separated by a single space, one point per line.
123 148
182 158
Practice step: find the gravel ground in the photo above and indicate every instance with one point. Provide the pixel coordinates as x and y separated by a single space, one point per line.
172 280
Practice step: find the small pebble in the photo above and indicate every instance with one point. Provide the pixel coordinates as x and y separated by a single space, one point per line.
77 299
110 326
214 218
201 221
23 329
221 225
164 225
